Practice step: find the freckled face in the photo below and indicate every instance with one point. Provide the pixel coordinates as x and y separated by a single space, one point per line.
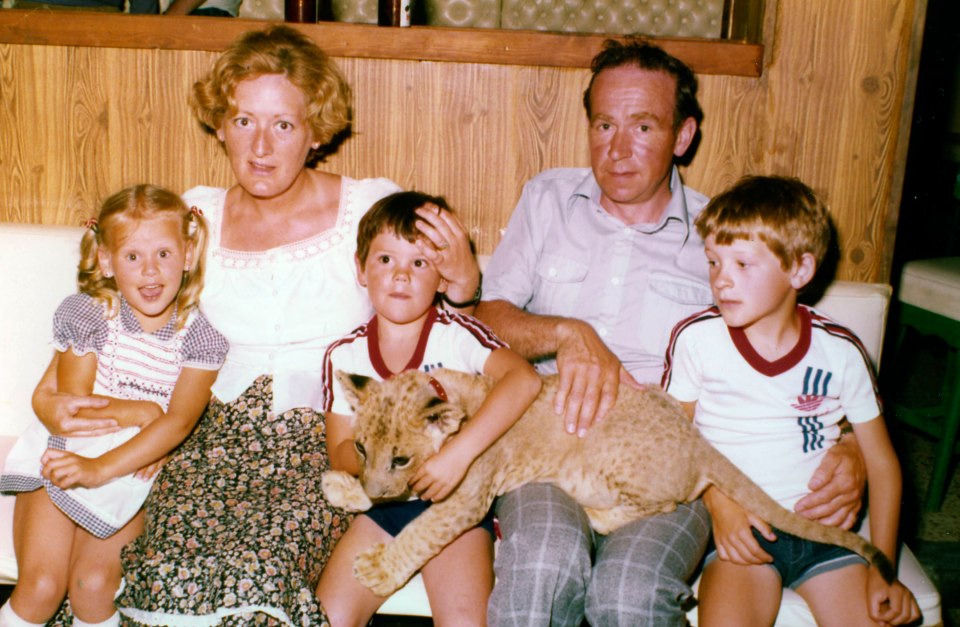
632 137
267 138
749 285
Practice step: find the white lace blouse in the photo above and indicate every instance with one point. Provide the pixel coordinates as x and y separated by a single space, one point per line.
280 308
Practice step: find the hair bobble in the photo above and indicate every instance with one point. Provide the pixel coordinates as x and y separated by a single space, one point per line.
195 216
92 224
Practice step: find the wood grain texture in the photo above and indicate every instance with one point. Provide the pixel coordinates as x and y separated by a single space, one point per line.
78 123
421 43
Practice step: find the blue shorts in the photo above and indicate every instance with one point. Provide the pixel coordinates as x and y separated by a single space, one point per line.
393 517
798 560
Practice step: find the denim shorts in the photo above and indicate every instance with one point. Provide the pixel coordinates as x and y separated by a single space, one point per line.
394 516
798 560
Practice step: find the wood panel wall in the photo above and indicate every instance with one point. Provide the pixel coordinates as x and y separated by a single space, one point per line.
831 107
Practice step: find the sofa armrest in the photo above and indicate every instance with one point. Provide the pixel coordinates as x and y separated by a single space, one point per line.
8 563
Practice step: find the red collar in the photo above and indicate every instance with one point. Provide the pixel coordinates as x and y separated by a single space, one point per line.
438 389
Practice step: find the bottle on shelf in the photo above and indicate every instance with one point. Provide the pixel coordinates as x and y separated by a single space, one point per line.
393 12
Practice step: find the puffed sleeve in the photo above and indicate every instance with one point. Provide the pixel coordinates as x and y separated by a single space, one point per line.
204 347
79 325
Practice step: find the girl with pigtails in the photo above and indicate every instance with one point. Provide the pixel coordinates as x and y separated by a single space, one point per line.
134 335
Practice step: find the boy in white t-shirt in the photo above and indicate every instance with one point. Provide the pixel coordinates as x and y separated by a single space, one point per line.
768 383
409 331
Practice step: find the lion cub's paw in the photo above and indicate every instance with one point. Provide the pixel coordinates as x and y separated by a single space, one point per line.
345 491
372 570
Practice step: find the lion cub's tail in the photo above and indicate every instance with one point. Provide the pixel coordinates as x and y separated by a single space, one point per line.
738 486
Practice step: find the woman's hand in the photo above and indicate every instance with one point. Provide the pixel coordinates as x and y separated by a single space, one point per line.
59 413
440 475
890 604
733 530
68 470
446 245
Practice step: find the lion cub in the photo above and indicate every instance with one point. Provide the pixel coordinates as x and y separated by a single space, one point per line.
643 458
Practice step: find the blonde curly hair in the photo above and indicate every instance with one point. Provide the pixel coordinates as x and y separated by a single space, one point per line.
124 209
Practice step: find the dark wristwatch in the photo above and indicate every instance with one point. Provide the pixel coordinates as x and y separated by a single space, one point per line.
467 303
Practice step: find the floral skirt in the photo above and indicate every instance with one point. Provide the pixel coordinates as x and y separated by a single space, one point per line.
237 528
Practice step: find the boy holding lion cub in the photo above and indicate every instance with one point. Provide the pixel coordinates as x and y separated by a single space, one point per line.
768 382
410 332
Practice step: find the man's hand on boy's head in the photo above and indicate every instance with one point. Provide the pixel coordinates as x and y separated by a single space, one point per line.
446 245
836 488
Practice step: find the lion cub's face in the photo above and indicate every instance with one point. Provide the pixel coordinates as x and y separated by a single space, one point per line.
398 424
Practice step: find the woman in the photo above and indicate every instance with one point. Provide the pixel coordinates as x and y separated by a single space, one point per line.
237 528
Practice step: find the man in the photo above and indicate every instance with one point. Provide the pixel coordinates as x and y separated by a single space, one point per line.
595 268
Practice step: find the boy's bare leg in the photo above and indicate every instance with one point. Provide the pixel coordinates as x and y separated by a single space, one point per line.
347 602
735 594
838 597
459 580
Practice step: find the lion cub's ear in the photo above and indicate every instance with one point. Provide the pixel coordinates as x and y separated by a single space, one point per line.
441 419
355 387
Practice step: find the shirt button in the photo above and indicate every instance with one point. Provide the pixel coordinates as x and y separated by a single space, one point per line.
602 332
553 272
276 327
615 280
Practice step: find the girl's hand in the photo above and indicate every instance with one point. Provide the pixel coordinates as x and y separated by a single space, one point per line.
440 475
733 531
149 471
890 604
67 470
446 245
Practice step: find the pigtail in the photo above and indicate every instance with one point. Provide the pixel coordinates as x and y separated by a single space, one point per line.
90 277
195 234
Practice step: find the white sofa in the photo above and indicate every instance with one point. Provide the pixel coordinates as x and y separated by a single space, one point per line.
39 265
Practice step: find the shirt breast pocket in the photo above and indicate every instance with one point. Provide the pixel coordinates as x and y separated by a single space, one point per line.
560 281
668 300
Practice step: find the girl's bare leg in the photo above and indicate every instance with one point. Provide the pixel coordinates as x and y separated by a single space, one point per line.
95 571
43 541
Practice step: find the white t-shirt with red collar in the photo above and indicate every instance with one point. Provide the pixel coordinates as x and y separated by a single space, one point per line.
447 340
774 420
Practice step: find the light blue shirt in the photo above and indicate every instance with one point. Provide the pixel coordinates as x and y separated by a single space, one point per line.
563 254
